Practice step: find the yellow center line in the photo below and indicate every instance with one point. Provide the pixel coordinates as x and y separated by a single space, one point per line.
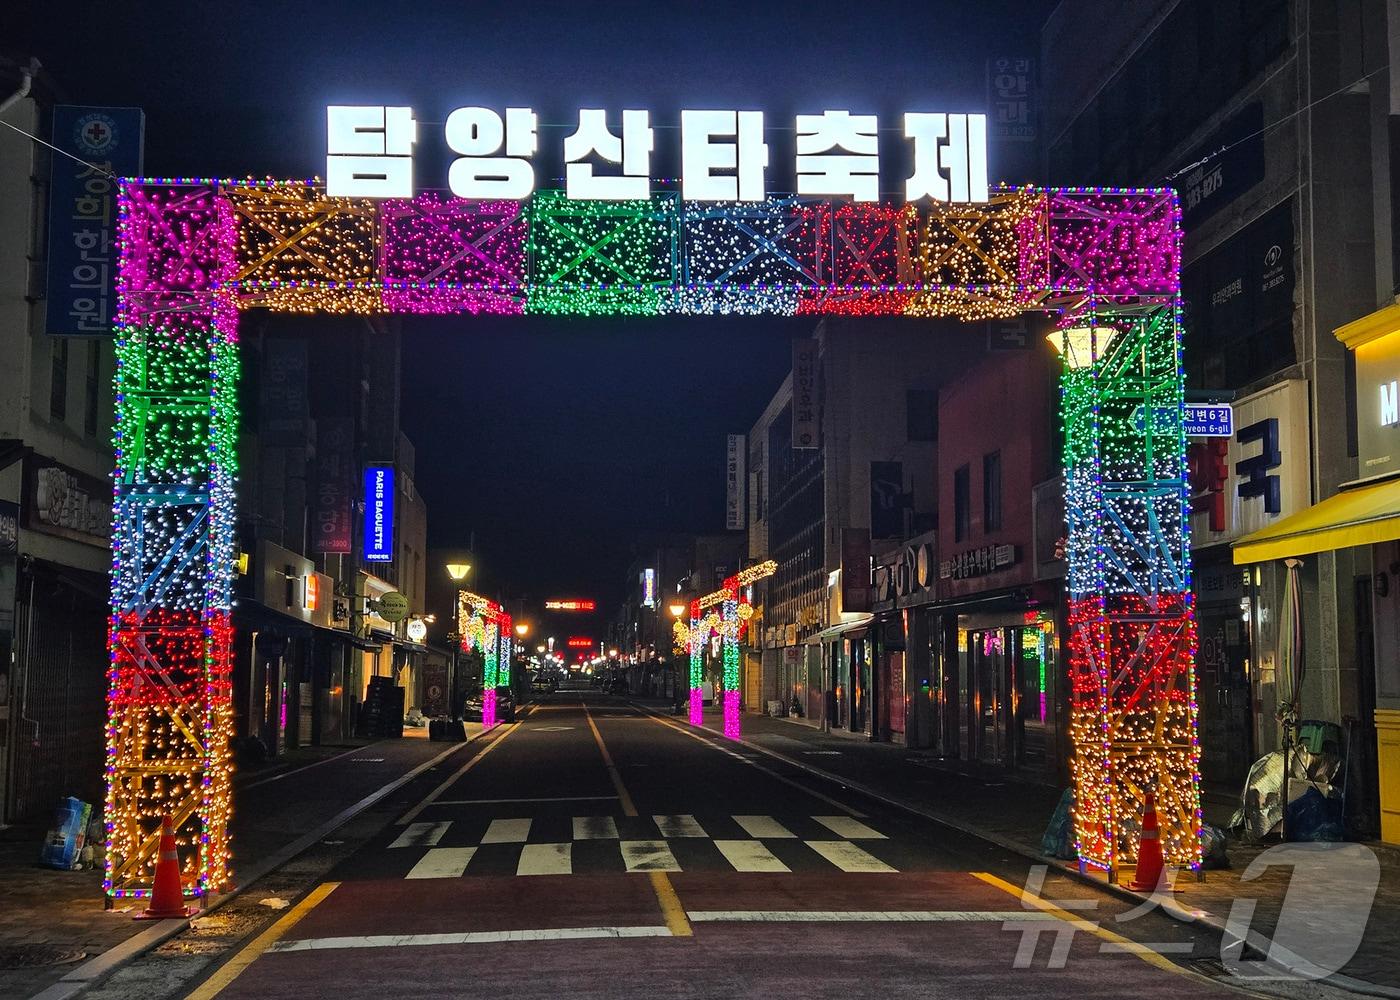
412 814
666 897
254 949
1143 952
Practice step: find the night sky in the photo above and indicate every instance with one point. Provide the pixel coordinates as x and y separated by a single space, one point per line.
555 440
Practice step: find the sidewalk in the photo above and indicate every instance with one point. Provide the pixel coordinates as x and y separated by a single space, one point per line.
53 922
1014 814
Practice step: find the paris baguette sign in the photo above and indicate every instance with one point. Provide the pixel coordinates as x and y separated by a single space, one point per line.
723 155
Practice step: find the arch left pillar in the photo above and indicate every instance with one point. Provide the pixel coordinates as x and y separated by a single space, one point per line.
169 708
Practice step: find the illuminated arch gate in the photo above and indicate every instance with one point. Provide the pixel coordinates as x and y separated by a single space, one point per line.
194 253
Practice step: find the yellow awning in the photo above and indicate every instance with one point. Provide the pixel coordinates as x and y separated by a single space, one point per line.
1360 516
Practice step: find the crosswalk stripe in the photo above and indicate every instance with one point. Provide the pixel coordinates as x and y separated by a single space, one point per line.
763 826
546 859
595 828
750 856
443 862
676 827
507 831
851 829
648 856
847 856
421 834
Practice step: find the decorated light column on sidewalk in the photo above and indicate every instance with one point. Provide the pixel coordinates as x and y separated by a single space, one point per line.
724 613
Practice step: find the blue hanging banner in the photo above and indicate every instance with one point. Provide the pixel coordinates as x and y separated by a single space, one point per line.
82 296
379 513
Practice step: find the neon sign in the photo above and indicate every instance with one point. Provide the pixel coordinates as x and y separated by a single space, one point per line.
580 642
569 605
379 513
369 154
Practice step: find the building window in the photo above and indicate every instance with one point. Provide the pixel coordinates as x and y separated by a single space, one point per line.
921 413
58 381
991 492
962 503
94 361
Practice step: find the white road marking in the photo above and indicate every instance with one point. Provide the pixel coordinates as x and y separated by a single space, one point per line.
443 862
676 827
851 829
648 856
421 834
847 856
595 828
546 859
862 916
507 831
750 856
491 802
467 937
764 826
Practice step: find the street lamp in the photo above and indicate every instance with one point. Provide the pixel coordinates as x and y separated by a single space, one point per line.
522 629
540 649
458 571
677 608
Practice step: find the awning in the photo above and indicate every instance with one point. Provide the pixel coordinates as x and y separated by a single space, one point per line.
1362 515
834 631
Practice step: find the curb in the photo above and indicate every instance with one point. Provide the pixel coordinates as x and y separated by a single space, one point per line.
1294 965
95 970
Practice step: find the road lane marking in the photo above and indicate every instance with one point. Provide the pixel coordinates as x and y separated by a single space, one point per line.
750 856
862 916
1034 903
507 831
677 827
666 898
851 829
595 828
443 862
552 798
467 937
764 826
848 857
412 814
265 941
671 909
648 856
546 859
628 809
685 731
421 835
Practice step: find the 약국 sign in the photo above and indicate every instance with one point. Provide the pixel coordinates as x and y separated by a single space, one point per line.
723 155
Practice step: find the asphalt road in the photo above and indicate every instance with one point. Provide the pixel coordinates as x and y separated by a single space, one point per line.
594 850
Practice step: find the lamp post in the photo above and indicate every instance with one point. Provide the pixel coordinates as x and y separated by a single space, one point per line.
457 571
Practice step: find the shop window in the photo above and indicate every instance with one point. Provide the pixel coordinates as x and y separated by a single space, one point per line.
991 492
962 503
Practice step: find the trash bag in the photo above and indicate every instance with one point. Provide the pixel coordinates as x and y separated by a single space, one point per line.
1213 847
67 836
1261 803
1058 840
1313 816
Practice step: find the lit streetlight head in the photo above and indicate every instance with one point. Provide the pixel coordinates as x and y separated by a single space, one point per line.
1082 345
522 629
458 571
539 648
676 608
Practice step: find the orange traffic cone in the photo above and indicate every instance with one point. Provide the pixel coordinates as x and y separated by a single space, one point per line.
1149 863
167 895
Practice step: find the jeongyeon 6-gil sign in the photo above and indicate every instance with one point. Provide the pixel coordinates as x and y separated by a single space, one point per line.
723 155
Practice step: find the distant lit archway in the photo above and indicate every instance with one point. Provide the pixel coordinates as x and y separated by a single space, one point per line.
197 252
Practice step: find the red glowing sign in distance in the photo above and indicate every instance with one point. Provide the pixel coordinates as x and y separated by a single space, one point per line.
580 642
572 605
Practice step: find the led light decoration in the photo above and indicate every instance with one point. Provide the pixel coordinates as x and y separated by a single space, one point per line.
485 628
194 251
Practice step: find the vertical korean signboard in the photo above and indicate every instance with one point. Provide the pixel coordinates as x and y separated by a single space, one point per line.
82 297
335 482
806 404
379 513
735 479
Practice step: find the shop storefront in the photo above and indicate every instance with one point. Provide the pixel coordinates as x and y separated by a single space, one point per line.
1357 528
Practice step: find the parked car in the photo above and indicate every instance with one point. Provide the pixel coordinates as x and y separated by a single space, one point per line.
505 706
544 685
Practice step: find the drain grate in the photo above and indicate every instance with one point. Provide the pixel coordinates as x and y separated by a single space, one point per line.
1211 967
36 956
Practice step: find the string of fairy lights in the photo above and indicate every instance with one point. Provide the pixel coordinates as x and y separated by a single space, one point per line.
193 252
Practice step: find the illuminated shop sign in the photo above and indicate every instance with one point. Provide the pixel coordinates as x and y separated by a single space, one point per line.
379 513
571 604
580 642
723 155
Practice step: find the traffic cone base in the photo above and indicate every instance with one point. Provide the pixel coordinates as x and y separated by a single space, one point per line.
167 894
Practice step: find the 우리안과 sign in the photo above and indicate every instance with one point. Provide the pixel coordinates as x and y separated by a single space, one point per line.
723 154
